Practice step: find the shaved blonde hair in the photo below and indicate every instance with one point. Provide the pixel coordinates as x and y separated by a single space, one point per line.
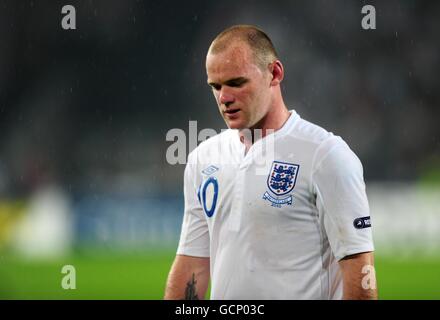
258 41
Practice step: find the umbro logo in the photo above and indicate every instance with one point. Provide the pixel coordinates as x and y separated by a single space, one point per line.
210 170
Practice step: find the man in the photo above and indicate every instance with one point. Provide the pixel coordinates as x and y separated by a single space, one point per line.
296 226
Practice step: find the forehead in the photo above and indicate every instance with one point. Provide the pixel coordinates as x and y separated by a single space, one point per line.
235 61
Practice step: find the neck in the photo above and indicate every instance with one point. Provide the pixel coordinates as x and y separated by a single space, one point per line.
271 122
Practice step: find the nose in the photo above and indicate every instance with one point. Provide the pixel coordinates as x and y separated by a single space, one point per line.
226 98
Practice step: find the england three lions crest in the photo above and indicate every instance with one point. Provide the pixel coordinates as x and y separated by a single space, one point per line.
281 181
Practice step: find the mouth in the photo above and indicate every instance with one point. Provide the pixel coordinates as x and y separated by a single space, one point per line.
232 111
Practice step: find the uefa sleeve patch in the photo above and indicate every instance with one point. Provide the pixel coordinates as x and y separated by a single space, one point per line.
362 223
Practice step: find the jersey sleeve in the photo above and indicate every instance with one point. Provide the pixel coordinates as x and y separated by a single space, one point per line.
194 237
342 200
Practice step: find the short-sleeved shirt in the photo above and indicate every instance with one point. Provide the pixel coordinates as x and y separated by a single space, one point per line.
275 220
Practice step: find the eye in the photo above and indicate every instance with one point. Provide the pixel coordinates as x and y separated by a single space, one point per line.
236 83
215 86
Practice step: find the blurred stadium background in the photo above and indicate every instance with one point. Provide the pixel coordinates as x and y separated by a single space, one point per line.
84 114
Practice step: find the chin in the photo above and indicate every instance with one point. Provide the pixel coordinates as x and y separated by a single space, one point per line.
235 125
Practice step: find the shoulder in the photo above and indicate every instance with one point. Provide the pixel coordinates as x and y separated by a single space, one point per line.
212 148
312 136
309 132
324 145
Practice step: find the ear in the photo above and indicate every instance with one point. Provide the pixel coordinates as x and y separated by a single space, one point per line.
277 70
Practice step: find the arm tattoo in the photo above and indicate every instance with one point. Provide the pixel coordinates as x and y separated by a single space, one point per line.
190 291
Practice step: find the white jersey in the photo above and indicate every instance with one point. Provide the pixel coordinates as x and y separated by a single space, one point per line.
275 220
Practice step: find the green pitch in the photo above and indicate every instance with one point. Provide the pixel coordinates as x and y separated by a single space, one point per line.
110 276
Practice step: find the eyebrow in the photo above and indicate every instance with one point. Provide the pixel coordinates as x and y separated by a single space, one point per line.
231 81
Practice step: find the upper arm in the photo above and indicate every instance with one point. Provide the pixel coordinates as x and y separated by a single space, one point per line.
359 276
185 264
194 238
189 275
342 200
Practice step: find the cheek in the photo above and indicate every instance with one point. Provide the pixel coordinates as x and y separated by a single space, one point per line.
257 97
216 95
248 95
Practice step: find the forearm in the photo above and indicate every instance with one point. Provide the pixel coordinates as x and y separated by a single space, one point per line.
188 279
354 291
359 279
